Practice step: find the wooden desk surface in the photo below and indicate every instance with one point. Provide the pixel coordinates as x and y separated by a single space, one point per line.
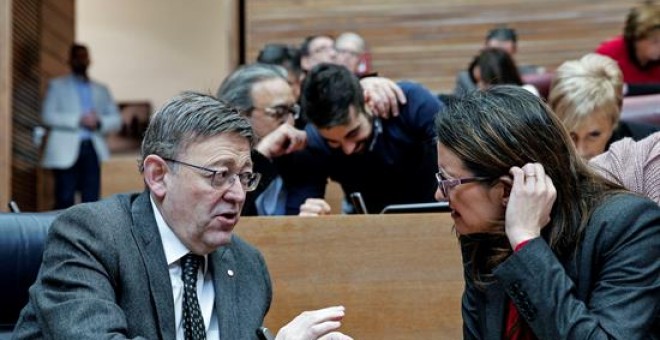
399 276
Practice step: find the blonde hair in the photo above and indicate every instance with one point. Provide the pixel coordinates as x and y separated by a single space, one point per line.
641 21
594 83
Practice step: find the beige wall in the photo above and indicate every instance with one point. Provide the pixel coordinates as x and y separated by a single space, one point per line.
154 49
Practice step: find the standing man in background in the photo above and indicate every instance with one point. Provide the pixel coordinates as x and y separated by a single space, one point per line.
79 112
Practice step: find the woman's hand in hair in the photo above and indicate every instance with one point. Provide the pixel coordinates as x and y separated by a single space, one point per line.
529 203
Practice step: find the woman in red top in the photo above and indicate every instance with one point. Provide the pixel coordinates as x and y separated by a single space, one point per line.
638 51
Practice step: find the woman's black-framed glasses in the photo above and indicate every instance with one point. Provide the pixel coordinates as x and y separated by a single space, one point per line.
446 184
224 179
281 111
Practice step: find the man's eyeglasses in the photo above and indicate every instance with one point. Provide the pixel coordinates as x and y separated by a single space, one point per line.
281 111
224 179
322 49
446 185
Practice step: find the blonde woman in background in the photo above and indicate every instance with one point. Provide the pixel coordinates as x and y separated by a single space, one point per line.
587 95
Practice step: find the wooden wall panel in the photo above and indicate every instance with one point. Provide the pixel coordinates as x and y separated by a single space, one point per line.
43 30
25 102
5 102
430 41
57 35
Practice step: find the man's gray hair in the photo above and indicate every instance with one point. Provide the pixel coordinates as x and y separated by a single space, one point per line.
351 37
188 118
237 87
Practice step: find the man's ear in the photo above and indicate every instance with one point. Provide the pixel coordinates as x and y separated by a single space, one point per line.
507 183
155 169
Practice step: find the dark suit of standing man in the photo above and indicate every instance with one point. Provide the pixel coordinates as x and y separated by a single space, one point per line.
114 268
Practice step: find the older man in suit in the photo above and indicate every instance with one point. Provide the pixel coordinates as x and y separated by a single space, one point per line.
78 112
163 264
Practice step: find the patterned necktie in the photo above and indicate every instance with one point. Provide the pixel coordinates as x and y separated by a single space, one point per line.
193 323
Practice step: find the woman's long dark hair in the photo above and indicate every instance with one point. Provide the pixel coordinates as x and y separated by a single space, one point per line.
496 67
505 126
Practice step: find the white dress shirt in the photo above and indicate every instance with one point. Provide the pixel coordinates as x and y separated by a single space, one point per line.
174 251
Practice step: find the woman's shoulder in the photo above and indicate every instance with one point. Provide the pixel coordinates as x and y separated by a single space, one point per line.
612 47
625 205
625 214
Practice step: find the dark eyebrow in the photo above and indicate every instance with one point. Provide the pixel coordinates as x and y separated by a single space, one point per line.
347 135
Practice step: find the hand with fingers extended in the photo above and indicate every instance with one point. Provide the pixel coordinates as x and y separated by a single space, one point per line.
281 141
315 325
530 203
314 207
382 96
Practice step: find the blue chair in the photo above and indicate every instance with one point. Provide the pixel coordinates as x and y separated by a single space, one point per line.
22 237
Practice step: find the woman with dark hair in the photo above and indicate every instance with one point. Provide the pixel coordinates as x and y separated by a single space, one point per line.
494 66
551 249
637 51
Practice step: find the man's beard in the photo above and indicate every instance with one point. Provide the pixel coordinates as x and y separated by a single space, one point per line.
80 70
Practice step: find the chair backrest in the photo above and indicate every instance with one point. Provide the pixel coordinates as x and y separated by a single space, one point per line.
541 81
22 237
642 109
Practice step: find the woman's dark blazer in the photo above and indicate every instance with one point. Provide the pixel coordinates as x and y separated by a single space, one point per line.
609 288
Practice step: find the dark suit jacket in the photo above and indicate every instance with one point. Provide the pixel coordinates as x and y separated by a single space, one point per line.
268 172
634 130
609 288
104 275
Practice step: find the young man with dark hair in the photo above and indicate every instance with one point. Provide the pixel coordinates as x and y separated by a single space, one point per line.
390 161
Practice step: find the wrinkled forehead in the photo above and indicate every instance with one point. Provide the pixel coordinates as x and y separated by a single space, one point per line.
227 148
274 89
